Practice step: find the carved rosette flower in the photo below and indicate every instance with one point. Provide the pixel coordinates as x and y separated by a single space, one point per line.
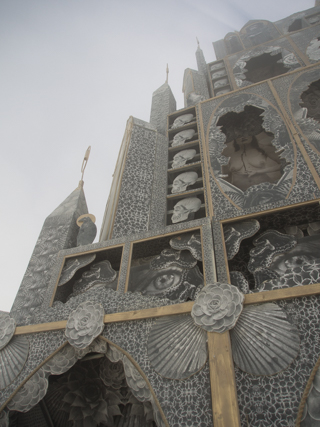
218 307
112 374
7 328
30 393
85 324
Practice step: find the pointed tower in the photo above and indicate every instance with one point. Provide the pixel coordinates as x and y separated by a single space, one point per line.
59 232
202 65
163 103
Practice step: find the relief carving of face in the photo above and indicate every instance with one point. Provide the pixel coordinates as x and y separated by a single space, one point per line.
181 158
182 181
181 137
182 120
184 207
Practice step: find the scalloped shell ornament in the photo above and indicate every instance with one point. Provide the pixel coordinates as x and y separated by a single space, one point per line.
263 341
177 347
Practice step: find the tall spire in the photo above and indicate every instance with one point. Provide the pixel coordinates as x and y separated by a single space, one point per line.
167 71
84 164
202 65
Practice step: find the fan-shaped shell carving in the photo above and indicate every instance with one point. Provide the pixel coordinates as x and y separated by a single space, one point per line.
12 359
263 341
177 347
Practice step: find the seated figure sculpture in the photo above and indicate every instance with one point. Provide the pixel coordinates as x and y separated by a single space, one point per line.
252 157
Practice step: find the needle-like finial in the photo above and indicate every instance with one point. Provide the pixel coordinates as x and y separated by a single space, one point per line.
84 164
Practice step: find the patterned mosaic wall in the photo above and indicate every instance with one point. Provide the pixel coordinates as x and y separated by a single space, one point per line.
136 186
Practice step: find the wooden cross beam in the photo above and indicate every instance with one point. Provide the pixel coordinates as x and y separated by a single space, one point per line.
222 376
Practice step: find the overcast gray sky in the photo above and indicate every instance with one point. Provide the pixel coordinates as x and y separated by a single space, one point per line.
72 72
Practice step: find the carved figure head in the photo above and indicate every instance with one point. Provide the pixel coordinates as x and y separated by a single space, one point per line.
182 157
181 137
182 120
182 181
184 208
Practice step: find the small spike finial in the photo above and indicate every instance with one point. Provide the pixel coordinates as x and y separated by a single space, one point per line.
84 164
167 71
198 42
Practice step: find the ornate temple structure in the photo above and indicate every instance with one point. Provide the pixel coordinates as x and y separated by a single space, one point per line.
199 305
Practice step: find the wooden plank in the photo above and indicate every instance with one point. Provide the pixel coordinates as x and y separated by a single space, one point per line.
149 312
222 379
40 327
285 293
114 317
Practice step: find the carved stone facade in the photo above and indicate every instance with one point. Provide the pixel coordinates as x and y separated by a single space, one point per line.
199 305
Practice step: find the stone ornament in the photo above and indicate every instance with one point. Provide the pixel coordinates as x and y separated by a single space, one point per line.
217 307
4 418
311 410
218 74
182 120
7 328
236 232
263 341
181 137
267 245
169 257
85 324
62 361
72 265
188 241
177 347
88 229
12 359
220 83
100 274
30 393
313 50
184 208
112 374
182 181
181 158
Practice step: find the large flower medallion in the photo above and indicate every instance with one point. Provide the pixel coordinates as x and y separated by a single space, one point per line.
85 324
218 307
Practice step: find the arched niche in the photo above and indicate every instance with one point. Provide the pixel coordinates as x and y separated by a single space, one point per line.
304 98
263 63
259 119
233 43
258 31
99 385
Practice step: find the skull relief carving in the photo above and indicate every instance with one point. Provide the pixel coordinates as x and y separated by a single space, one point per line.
219 73
181 158
182 120
184 208
182 181
220 83
181 137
